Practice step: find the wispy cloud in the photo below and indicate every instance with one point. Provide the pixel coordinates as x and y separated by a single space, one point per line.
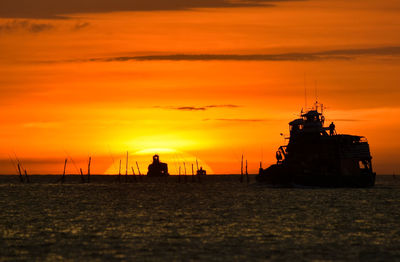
337 54
80 25
61 8
345 120
24 25
236 119
196 108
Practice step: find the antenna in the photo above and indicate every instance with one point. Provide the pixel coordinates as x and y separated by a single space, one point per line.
316 94
305 92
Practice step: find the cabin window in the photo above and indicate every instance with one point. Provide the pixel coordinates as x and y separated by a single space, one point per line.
363 164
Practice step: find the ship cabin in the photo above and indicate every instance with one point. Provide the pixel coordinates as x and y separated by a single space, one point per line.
310 122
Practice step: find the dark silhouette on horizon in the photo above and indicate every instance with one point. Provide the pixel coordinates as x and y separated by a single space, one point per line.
157 168
315 158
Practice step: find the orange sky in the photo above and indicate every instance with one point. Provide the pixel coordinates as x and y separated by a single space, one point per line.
210 81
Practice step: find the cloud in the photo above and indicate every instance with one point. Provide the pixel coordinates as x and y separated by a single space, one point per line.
344 120
236 119
189 108
226 106
222 57
195 108
80 25
338 54
24 25
61 8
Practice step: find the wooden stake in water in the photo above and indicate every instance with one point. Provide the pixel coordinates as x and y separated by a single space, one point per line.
26 176
82 178
21 179
247 174
88 173
63 175
184 166
140 174
179 176
119 172
134 175
192 173
126 169
241 170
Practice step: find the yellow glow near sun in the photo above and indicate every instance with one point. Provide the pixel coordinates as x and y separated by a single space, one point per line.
174 158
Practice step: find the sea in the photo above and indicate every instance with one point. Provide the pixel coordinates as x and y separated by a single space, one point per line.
214 218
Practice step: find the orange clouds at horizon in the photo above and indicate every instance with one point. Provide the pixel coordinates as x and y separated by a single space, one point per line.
101 84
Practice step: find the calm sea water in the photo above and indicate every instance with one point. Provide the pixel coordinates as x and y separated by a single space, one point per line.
218 219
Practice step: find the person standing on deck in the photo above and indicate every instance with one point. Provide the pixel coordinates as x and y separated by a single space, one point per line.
332 129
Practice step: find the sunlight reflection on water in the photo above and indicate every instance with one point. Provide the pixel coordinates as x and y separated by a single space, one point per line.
219 219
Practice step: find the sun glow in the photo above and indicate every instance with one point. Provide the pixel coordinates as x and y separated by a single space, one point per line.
139 161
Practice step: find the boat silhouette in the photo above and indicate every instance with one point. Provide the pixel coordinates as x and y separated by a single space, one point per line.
317 156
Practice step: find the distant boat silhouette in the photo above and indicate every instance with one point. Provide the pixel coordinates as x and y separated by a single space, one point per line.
201 172
157 168
314 157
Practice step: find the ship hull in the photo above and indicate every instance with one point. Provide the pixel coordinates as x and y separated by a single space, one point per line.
280 176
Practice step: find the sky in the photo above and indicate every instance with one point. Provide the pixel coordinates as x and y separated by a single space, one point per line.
187 79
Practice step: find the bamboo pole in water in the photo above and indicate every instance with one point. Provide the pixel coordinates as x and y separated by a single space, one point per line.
82 178
90 161
184 166
21 178
126 169
119 171
26 176
247 174
134 175
63 175
140 174
241 170
192 173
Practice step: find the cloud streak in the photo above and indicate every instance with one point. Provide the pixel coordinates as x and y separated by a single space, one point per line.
24 25
236 119
338 54
61 8
195 108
